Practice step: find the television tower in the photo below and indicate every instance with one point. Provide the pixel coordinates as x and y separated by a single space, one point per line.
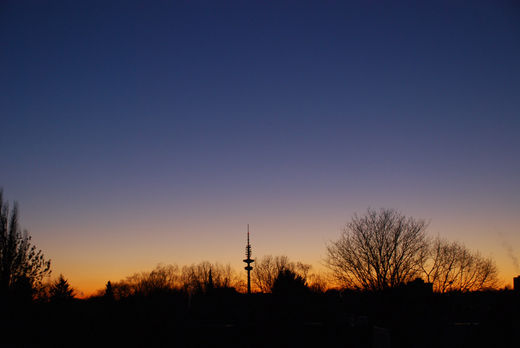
248 261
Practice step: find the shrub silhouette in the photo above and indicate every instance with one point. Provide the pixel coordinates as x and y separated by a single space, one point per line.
289 283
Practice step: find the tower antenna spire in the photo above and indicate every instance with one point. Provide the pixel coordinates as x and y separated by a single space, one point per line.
248 261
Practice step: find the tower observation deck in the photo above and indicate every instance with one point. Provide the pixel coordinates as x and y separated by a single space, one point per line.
248 261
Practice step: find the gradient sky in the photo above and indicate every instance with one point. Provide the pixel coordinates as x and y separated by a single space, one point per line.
135 133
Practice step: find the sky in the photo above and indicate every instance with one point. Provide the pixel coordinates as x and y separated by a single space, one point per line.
135 133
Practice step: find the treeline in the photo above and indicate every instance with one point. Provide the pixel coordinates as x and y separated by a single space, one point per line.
377 251
205 277
197 278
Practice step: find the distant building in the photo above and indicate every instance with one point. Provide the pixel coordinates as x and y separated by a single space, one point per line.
419 287
516 283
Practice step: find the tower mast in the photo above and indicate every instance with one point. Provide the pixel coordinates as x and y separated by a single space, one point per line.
248 261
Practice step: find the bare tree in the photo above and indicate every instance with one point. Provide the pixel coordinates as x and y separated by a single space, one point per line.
378 250
268 268
22 266
121 289
170 278
204 275
317 283
162 279
450 266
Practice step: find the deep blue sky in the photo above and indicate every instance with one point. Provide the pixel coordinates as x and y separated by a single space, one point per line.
189 119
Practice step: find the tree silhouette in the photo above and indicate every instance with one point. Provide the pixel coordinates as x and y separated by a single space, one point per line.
109 291
210 285
163 279
268 268
378 250
204 276
196 278
22 266
316 283
61 291
289 283
450 266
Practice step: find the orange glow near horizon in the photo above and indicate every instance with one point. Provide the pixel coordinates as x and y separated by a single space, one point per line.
88 282
90 260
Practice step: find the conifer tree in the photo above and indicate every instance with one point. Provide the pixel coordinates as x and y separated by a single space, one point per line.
61 290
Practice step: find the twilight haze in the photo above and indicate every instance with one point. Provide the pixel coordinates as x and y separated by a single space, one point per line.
137 133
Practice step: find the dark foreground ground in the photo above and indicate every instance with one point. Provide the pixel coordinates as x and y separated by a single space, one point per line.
229 319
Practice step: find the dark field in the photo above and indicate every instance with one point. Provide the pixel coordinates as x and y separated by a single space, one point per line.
229 319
